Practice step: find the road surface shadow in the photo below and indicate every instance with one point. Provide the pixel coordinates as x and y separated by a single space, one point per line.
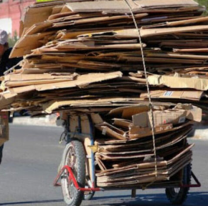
194 199
32 202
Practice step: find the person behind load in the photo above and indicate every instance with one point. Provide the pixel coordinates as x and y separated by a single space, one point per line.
5 63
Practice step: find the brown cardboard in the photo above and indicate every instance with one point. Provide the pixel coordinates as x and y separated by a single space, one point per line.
192 112
127 112
135 175
136 132
162 141
175 55
53 105
133 132
80 81
26 43
142 106
100 164
194 50
189 21
146 165
36 15
163 3
39 27
13 80
4 127
179 82
87 143
165 117
112 131
173 94
6 99
96 19
121 6
133 33
173 116
84 58
141 119
123 123
90 6
96 118
84 125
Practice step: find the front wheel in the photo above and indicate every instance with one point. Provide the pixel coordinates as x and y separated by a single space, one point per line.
74 157
178 195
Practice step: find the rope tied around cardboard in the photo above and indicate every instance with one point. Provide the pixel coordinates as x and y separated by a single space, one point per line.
148 92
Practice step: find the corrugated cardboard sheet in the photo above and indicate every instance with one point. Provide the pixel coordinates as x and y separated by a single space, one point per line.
4 127
84 59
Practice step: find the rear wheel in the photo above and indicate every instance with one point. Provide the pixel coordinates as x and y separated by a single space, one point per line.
178 195
74 157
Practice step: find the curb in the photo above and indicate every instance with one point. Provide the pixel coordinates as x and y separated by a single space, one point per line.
48 120
201 132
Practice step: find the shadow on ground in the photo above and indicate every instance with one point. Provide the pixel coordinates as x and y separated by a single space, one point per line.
194 199
32 202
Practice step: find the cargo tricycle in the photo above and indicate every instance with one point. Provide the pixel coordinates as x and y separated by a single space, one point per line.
77 170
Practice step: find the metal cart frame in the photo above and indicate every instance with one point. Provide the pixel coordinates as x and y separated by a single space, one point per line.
66 169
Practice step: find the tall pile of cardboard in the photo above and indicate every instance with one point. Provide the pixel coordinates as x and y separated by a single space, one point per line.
124 150
86 57
95 46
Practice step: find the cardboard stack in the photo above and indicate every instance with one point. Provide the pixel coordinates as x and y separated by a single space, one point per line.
85 57
126 156
124 151
94 46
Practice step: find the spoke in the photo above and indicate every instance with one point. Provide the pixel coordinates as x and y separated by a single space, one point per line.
71 162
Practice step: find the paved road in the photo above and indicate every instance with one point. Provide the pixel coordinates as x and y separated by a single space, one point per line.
30 162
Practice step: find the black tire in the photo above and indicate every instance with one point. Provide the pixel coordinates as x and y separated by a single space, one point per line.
74 157
177 196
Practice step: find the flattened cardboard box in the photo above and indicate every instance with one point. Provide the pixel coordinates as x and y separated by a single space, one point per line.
179 82
4 127
160 118
139 132
171 94
121 6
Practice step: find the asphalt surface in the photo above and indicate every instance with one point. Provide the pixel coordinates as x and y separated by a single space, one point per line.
30 163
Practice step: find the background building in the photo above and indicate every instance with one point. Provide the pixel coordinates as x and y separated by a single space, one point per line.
10 14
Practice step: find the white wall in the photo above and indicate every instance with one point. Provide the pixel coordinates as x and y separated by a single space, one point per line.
6 24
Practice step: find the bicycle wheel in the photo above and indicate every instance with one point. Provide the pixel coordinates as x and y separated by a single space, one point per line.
178 195
74 157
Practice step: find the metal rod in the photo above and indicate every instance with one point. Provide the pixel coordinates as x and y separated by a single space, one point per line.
133 193
72 178
198 184
79 129
92 154
68 129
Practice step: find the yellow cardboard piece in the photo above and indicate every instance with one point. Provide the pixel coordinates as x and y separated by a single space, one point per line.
179 82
